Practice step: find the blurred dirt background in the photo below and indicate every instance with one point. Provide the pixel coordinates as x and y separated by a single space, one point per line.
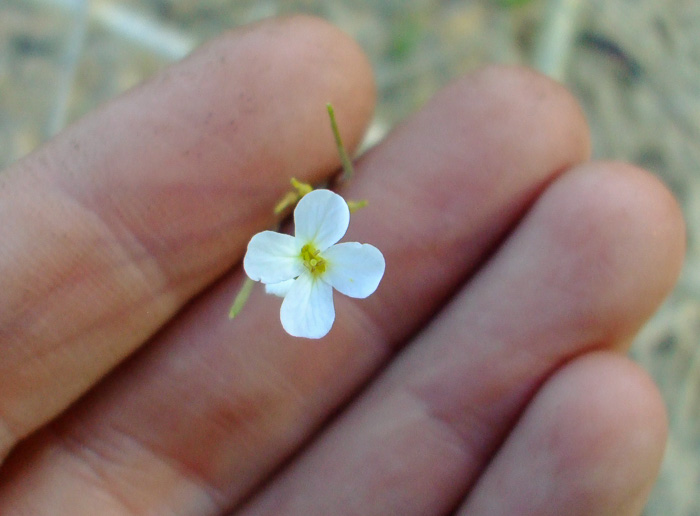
634 65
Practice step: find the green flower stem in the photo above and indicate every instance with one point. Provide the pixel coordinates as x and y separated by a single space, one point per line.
348 170
289 199
356 205
241 297
556 37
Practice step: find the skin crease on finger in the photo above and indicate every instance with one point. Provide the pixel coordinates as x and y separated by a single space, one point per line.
212 407
109 229
256 394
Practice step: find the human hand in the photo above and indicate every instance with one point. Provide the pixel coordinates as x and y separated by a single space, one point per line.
484 376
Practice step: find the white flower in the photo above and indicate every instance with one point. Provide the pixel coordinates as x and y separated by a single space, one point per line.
306 267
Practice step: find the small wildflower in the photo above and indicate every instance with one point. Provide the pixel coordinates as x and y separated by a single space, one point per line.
306 267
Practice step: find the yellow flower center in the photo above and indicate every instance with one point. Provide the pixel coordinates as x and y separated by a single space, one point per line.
313 260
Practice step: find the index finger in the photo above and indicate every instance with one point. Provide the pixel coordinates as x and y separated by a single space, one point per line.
109 229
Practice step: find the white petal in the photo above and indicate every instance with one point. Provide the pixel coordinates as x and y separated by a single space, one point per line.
354 269
279 289
273 257
321 218
307 309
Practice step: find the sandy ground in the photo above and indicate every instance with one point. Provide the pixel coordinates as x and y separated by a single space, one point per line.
634 64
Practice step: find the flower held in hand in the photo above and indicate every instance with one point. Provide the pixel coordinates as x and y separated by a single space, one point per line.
306 267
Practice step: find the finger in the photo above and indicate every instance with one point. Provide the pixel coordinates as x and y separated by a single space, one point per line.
109 229
590 442
584 269
214 406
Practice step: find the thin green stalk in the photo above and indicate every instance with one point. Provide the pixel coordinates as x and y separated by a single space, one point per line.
348 170
241 298
556 37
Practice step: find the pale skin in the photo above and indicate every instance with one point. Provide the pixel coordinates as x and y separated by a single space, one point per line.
485 376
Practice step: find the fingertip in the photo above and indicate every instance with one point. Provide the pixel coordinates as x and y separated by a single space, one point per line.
590 442
310 54
616 424
623 234
535 115
609 393
660 214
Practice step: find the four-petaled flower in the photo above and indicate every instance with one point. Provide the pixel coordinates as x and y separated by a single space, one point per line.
305 268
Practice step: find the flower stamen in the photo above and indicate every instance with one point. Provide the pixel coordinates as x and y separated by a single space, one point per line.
313 260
